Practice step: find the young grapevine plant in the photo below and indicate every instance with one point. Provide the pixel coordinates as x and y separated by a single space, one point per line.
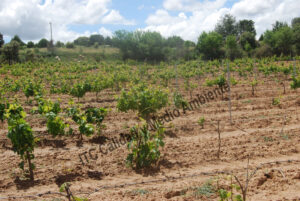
20 134
47 106
78 90
179 101
144 146
55 124
296 83
96 116
3 106
85 128
146 101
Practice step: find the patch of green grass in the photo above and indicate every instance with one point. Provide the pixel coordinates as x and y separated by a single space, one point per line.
139 192
275 101
268 139
284 136
206 189
247 101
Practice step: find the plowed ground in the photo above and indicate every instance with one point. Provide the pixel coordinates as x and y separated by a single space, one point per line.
261 131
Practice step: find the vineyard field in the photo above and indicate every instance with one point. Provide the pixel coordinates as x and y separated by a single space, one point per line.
264 101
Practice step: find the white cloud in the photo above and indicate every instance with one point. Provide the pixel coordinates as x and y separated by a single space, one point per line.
105 32
192 5
187 27
30 20
162 17
265 13
114 17
17 17
195 17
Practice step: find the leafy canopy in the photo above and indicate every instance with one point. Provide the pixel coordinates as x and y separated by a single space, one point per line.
145 100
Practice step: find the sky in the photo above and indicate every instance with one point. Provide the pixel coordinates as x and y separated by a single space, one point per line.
185 18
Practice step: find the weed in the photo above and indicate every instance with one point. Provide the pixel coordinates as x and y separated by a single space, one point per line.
201 122
65 187
275 101
207 189
247 101
284 136
139 192
268 139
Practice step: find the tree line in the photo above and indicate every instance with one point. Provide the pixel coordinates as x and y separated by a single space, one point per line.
230 39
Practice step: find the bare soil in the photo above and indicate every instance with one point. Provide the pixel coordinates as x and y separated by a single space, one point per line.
262 132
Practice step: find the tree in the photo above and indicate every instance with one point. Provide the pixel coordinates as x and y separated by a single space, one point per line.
232 48
30 44
189 50
96 39
174 41
295 22
11 51
17 39
246 26
210 44
70 45
278 25
1 40
150 45
43 43
296 31
227 26
108 41
248 38
59 44
280 40
189 43
82 41
263 51
140 45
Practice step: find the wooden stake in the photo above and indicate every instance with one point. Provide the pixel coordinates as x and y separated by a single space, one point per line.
219 139
229 92
254 69
294 72
176 76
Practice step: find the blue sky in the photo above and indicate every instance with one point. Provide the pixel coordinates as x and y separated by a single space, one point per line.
138 10
185 18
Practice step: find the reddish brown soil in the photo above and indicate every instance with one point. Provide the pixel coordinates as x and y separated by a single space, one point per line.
262 131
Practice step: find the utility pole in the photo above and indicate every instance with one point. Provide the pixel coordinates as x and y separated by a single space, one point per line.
51 39
50 30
